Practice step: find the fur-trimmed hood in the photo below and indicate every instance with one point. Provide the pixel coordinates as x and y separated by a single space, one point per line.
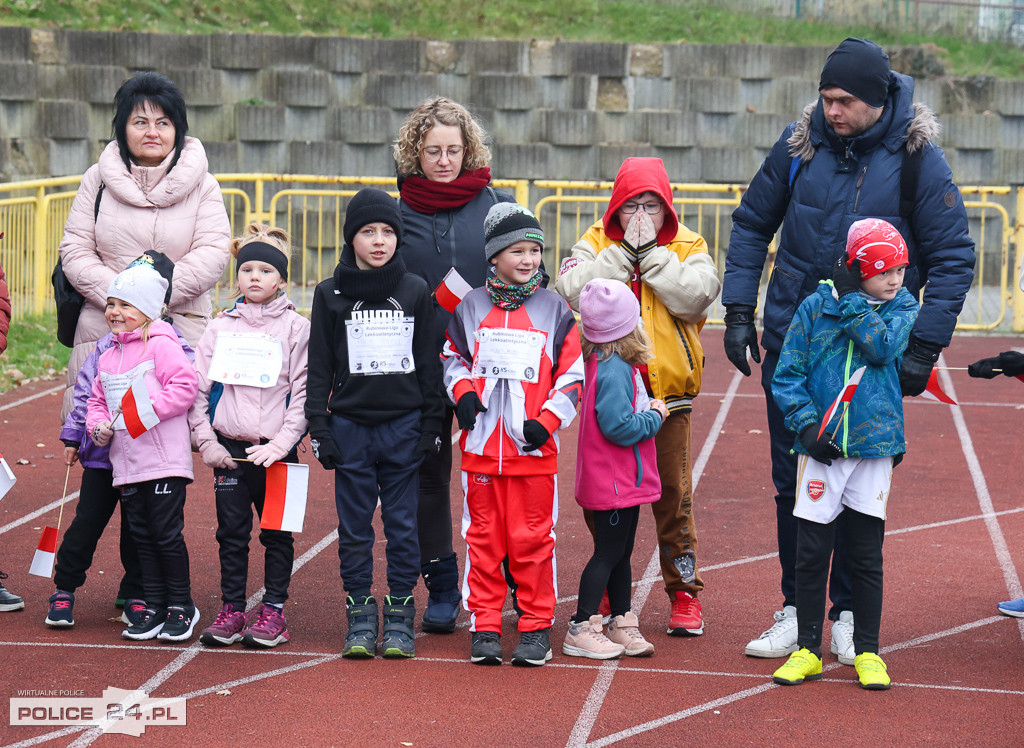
912 125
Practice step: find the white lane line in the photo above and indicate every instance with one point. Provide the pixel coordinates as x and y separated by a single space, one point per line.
194 649
30 398
41 510
599 691
700 708
995 532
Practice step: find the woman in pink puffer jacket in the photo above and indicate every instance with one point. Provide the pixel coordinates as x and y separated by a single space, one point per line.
150 190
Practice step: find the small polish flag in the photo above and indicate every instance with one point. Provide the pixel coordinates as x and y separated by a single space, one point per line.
284 507
137 409
933 392
42 562
7 478
844 397
451 290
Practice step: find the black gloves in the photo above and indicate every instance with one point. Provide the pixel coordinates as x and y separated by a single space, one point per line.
741 335
324 449
466 409
1008 363
534 434
846 280
823 450
429 445
917 366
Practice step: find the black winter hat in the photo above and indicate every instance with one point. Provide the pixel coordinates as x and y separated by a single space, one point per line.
372 206
859 67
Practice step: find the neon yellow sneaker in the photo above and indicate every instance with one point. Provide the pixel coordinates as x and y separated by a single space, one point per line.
802 665
871 671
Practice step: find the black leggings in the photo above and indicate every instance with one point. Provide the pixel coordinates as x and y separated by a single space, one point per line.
863 534
434 512
608 569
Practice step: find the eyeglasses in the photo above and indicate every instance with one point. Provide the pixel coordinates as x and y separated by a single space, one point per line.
651 208
433 153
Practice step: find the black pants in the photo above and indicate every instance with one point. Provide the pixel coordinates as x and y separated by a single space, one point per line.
608 568
863 535
156 516
97 500
237 492
434 516
784 478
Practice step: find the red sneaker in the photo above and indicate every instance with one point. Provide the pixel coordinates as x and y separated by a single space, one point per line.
687 617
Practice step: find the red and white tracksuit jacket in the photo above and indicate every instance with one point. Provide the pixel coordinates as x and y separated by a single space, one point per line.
511 504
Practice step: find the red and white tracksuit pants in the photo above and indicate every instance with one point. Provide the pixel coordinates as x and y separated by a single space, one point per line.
513 515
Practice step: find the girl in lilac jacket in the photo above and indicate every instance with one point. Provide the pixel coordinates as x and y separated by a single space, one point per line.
616 467
139 404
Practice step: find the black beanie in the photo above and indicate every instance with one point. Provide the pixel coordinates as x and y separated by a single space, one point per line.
861 68
372 206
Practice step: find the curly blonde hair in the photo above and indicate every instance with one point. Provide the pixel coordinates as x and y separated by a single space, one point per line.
634 348
439 110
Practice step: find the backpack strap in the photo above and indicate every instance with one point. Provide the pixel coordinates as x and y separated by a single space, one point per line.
96 207
794 166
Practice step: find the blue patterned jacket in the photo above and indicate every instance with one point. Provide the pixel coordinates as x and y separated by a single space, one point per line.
828 340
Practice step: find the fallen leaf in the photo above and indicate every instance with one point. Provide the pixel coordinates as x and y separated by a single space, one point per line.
22 461
40 445
224 692
754 431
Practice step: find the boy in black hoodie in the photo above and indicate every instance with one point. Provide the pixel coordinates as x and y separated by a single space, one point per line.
374 409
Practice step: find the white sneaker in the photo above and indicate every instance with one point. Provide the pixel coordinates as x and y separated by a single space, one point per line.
842 638
779 640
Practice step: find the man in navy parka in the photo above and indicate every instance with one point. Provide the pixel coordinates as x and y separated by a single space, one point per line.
840 162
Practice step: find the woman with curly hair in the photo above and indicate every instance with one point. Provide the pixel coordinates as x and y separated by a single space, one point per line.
444 185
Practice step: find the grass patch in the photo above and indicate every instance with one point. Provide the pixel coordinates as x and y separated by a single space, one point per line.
32 352
638 21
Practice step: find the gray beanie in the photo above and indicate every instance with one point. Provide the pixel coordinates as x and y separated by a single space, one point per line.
142 287
508 223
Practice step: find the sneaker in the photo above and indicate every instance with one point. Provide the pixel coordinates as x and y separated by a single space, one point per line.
399 617
871 672
179 624
584 639
687 615
802 665
226 628
267 630
62 610
8 600
779 640
486 648
150 623
534 648
625 630
133 610
1013 608
361 639
842 638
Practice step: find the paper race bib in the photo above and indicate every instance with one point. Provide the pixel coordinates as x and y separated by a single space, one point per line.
380 342
115 385
509 354
251 359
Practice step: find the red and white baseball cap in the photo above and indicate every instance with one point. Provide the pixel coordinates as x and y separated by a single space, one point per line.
877 245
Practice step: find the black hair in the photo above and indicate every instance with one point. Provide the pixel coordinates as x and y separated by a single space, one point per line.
157 90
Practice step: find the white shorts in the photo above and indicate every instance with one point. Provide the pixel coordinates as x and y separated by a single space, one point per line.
857 482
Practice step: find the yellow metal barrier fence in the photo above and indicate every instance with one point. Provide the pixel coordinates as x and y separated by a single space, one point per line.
311 208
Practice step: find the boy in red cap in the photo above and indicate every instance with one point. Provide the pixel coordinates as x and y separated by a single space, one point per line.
860 320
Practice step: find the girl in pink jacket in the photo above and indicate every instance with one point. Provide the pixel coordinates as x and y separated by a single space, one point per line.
258 420
139 404
616 466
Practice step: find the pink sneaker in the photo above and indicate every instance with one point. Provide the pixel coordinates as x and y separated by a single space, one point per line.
586 640
267 630
625 630
226 628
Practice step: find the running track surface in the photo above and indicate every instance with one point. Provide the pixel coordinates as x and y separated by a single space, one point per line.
954 548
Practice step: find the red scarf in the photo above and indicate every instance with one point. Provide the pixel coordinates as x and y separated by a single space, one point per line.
425 196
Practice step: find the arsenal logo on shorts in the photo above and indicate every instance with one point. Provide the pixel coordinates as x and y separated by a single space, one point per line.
815 489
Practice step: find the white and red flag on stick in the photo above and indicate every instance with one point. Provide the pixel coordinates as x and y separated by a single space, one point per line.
137 409
46 552
284 507
7 478
844 397
451 290
933 392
